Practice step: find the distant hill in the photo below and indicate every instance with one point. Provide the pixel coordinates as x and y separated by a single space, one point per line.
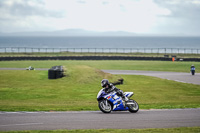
70 32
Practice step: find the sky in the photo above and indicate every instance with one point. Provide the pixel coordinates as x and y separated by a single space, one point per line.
173 17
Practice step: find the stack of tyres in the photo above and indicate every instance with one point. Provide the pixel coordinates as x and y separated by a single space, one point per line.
51 74
55 72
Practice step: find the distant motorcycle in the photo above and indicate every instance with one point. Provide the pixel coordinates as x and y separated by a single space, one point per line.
193 70
30 68
113 102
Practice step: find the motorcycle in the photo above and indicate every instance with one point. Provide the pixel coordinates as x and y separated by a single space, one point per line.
193 72
113 102
30 68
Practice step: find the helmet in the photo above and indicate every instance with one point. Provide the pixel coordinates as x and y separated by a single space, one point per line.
104 82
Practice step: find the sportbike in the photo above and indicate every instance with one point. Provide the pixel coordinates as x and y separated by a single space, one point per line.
113 102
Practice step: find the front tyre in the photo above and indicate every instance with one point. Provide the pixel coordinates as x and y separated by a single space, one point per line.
133 108
105 106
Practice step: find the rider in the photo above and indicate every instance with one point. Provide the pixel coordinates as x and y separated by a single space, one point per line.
108 88
193 69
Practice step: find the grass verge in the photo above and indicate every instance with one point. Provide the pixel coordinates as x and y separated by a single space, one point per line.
158 130
136 54
112 65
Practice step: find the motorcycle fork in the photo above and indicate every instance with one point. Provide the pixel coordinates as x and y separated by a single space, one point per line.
106 102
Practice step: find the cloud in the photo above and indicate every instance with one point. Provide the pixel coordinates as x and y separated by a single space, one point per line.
25 15
183 18
182 8
81 1
139 16
112 15
26 8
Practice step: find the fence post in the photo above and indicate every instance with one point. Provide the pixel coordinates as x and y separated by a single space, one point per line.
109 50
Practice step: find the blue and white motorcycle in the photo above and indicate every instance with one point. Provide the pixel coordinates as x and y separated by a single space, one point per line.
112 102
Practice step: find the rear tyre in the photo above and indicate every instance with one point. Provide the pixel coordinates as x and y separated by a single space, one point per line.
133 108
193 72
105 106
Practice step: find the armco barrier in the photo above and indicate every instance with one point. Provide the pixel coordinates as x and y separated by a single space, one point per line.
95 58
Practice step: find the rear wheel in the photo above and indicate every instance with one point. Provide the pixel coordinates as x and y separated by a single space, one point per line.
105 106
193 72
133 108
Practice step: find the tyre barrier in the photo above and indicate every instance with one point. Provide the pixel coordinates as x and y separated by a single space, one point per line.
96 58
56 72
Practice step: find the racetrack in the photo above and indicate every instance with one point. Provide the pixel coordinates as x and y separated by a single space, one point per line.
98 120
176 76
116 120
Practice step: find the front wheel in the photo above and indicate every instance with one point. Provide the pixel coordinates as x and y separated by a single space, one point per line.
105 106
133 108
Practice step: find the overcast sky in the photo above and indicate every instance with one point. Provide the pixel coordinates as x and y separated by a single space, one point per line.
138 16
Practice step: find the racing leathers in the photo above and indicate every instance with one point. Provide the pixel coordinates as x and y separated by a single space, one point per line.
111 88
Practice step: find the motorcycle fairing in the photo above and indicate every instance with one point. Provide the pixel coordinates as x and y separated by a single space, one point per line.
117 102
128 94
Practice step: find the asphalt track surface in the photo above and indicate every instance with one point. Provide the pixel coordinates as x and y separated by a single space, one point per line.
41 69
98 120
176 76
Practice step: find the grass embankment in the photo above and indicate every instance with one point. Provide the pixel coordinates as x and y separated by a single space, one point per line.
110 65
39 54
33 91
158 130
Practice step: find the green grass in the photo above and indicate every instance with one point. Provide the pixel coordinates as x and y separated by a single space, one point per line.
158 130
113 65
22 90
137 54
33 91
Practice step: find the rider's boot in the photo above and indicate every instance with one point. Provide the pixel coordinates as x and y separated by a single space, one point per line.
125 100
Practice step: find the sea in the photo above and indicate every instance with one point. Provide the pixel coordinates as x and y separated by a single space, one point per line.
169 42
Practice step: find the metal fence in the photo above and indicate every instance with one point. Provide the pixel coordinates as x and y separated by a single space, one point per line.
100 50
